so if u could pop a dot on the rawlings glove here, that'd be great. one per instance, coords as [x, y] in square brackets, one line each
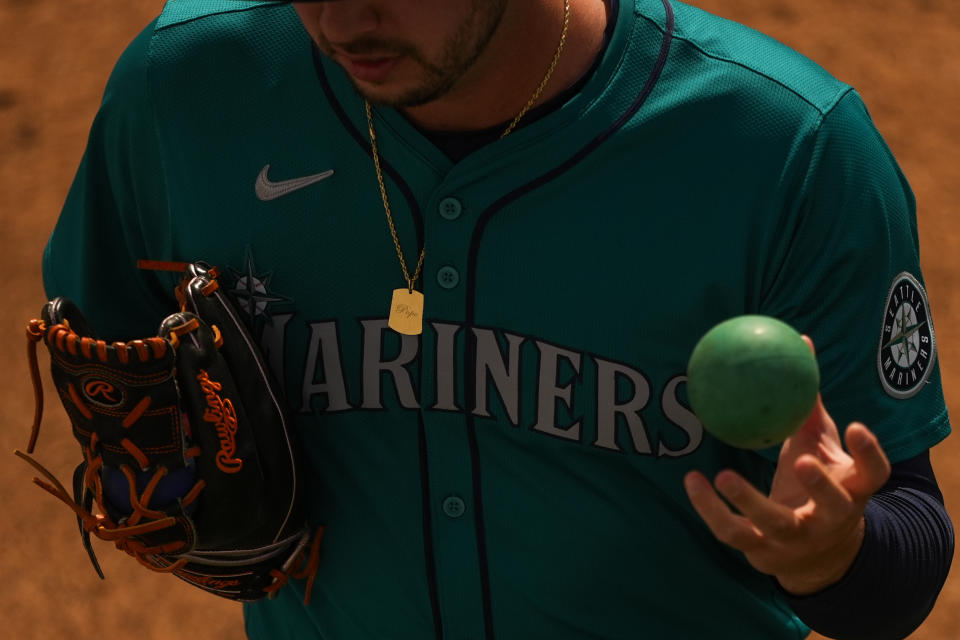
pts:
[189, 464]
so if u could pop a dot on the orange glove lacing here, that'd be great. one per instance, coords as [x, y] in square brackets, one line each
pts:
[142, 519]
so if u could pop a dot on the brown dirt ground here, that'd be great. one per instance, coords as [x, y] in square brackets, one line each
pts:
[903, 56]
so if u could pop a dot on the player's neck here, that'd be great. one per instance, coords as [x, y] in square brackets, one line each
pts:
[506, 74]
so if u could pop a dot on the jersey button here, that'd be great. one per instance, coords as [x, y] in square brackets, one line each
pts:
[450, 208]
[448, 277]
[454, 507]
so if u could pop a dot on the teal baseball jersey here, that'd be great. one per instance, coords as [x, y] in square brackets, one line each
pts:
[516, 470]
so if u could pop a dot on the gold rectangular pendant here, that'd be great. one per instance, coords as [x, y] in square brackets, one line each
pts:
[406, 312]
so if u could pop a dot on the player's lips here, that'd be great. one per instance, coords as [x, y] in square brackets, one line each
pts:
[369, 68]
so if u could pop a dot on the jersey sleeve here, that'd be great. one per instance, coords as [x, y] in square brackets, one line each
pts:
[115, 209]
[852, 235]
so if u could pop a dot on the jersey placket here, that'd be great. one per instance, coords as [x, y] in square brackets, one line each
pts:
[455, 533]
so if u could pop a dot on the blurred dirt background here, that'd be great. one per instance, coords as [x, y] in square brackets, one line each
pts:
[55, 56]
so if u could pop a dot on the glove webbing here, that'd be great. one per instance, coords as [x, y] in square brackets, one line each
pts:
[101, 525]
[65, 339]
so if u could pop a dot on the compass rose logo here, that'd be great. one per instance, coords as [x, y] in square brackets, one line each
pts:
[251, 291]
[908, 346]
[905, 345]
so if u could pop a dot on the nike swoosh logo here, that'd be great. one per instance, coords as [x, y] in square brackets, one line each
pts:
[267, 189]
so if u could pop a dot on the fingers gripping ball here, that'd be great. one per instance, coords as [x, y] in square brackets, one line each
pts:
[752, 381]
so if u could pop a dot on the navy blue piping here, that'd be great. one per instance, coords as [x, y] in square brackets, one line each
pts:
[430, 562]
[429, 559]
[471, 284]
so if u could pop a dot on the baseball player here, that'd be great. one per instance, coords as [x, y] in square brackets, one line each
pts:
[477, 241]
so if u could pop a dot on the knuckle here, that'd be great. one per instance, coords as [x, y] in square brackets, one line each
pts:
[736, 537]
[781, 528]
[726, 533]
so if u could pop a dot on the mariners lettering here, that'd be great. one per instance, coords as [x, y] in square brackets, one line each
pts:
[374, 366]
[444, 365]
[609, 376]
[521, 381]
[677, 413]
[323, 362]
[505, 375]
[220, 413]
[549, 393]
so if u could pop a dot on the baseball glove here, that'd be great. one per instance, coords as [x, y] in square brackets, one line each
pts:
[189, 463]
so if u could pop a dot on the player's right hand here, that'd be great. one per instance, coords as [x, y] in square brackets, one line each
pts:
[808, 530]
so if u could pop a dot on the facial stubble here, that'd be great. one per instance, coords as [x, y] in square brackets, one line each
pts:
[460, 53]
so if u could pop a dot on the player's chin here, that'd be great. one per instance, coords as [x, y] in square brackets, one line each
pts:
[385, 96]
[403, 90]
[381, 95]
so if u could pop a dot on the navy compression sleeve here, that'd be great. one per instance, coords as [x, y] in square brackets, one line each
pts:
[895, 580]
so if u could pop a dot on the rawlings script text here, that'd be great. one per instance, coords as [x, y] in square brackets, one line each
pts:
[209, 581]
[221, 414]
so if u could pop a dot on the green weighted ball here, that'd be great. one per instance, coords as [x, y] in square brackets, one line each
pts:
[752, 381]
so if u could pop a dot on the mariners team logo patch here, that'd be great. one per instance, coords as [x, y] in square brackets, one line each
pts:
[908, 347]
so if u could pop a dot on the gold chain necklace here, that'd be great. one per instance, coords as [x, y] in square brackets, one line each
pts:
[406, 307]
